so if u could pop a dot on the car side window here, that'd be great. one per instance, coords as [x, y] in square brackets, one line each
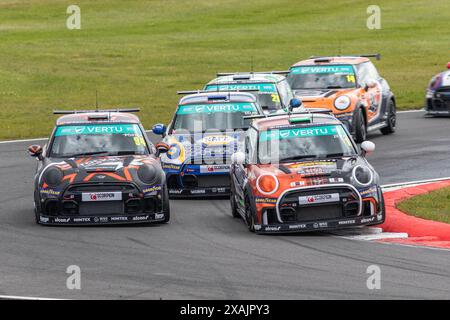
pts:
[250, 146]
[366, 71]
[285, 92]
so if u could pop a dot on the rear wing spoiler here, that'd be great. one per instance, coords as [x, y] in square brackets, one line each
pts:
[96, 110]
[221, 74]
[371, 55]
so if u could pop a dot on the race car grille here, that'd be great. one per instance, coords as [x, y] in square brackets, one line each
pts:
[101, 188]
[101, 208]
[206, 181]
[440, 101]
[213, 181]
[293, 210]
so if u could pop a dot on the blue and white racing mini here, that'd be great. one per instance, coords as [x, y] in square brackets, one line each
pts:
[437, 101]
[206, 130]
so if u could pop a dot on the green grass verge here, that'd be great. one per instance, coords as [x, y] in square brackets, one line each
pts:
[138, 53]
[432, 206]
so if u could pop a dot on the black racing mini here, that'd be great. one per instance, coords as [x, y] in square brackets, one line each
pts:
[99, 168]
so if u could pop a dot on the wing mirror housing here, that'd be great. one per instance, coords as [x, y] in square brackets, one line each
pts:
[370, 83]
[367, 147]
[294, 103]
[35, 151]
[159, 129]
[161, 148]
[238, 158]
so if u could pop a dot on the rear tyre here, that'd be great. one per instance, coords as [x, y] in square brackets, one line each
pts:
[391, 120]
[36, 215]
[360, 126]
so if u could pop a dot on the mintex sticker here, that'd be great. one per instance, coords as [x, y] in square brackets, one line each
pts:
[214, 169]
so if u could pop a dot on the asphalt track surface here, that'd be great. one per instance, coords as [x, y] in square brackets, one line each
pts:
[203, 253]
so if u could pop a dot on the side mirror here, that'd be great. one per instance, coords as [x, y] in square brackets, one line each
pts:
[370, 83]
[367, 147]
[162, 148]
[159, 129]
[448, 65]
[294, 103]
[35, 151]
[238, 158]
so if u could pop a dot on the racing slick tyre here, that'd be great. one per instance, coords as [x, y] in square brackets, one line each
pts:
[36, 215]
[391, 120]
[233, 205]
[249, 215]
[360, 126]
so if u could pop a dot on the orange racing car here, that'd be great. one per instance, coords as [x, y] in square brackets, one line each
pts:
[351, 87]
[303, 172]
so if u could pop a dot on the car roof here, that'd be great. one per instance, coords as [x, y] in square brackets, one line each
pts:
[97, 117]
[283, 120]
[248, 78]
[218, 97]
[331, 61]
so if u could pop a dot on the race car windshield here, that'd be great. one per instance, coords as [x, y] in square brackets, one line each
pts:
[220, 116]
[322, 77]
[98, 139]
[291, 144]
[265, 93]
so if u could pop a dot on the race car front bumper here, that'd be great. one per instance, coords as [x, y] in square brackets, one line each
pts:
[438, 103]
[322, 225]
[192, 180]
[101, 219]
[321, 207]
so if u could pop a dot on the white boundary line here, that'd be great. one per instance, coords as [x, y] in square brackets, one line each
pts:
[4, 297]
[402, 184]
[410, 111]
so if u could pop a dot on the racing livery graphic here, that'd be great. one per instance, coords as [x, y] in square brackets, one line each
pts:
[349, 86]
[206, 130]
[271, 89]
[302, 172]
[437, 101]
[99, 168]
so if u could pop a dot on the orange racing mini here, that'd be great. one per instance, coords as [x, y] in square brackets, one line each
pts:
[349, 86]
[303, 172]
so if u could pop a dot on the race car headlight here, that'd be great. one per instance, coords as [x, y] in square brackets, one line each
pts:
[342, 102]
[53, 177]
[362, 175]
[148, 174]
[267, 184]
[429, 94]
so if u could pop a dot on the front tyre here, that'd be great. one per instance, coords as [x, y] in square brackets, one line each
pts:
[391, 120]
[249, 215]
[166, 205]
[234, 211]
[360, 126]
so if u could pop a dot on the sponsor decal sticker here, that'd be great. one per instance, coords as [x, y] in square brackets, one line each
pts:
[152, 189]
[319, 198]
[140, 218]
[340, 69]
[159, 215]
[101, 196]
[61, 220]
[84, 219]
[199, 191]
[299, 133]
[175, 191]
[213, 108]
[68, 130]
[214, 169]
[262, 87]
[345, 222]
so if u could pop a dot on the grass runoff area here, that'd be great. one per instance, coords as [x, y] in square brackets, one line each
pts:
[139, 53]
[432, 206]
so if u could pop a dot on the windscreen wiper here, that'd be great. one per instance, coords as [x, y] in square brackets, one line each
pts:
[86, 154]
[298, 158]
